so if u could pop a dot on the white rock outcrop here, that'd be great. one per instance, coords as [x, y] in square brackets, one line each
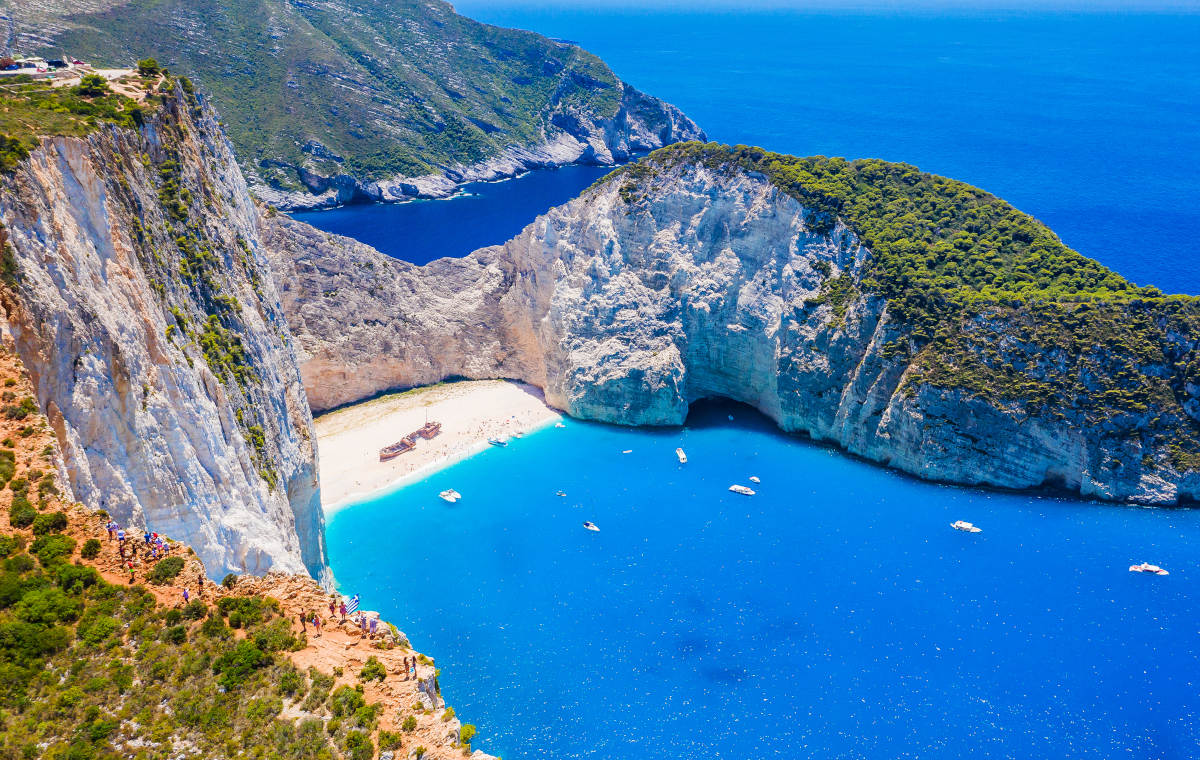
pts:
[632, 301]
[123, 293]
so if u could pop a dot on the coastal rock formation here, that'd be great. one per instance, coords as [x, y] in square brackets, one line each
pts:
[137, 295]
[640, 124]
[680, 279]
[342, 100]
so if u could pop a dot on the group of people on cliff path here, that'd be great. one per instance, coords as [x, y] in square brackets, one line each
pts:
[153, 547]
[343, 608]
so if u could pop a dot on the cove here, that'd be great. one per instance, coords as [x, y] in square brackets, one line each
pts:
[833, 614]
[485, 213]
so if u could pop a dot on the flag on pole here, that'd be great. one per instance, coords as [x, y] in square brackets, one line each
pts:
[352, 605]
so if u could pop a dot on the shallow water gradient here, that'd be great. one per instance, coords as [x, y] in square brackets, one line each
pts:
[834, 614]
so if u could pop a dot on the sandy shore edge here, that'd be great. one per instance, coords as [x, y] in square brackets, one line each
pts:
[471, 411]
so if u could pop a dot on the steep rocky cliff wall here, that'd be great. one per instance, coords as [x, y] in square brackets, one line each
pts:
[139, 299]
[645, 295]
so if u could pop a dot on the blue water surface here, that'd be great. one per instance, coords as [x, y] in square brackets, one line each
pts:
[1085, 120]
[834, 614]
[485, 213]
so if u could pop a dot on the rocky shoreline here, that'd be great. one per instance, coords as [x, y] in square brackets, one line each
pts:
[642, 124]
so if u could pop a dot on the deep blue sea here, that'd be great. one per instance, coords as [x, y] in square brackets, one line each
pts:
[835, 614]
[1088, 121]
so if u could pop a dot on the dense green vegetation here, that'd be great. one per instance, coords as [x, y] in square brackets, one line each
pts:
[32, 109]
[87, 666]
[386, 88]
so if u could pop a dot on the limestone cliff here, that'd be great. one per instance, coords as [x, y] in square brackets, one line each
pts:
[138, 297]
[679, 280]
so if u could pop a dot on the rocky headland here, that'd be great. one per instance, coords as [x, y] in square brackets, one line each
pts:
[909, 319]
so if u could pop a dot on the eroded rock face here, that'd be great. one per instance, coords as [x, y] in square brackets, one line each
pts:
[151, 328]
[628, 304]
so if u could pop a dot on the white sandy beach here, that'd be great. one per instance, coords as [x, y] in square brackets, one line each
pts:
[470, 411]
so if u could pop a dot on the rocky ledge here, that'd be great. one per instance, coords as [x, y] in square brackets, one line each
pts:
[955, 339]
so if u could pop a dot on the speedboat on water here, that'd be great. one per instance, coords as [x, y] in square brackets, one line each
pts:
[965, 526]
[754, 479]
[591, 526]
[682, 457]
[743, 490]
[450, 495]
[498, 441]
[627, 451]
[1146, 567]
[559, 425]
[560, 493]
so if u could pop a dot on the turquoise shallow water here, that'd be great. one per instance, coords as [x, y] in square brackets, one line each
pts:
[835, 614]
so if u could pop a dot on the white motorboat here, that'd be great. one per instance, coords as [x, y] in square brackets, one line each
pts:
[965, 527]
[682, 457]
[450, 495]
[627, 451]
[591, 526]
[754, 479]
[559, 425]
[498, 441]
[743, 490]
[1146, 567]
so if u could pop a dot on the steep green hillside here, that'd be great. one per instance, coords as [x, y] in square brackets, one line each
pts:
[367, 88]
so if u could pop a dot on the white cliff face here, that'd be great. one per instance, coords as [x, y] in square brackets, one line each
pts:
[642, 123]
[110, 312]
[635, 300]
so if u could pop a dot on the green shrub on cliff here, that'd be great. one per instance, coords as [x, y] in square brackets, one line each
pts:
[165, 570]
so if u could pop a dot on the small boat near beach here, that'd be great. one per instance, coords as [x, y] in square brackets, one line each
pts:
[560, 493]
[498, 441]
[743, 490]
[682, 457]
[627, 451]
[754, 479]
[428, 431]
[965, 527]
[1146, 567]
[450, 495]
[591, 526]
[396, 449]
[559, 425]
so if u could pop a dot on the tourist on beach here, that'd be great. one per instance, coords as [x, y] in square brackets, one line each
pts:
[342, 609]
